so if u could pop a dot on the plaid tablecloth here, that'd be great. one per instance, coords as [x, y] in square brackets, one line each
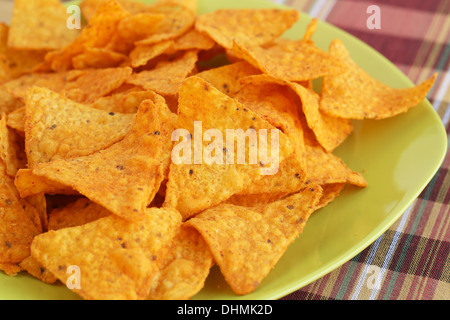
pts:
[412, 257]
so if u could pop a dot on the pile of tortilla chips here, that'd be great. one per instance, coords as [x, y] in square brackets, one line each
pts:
[88, 177]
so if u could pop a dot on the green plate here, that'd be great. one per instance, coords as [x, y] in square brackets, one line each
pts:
[398, 156]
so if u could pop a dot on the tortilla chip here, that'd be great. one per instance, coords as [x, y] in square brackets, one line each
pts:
[17, 230]
[248, 242]
[11, 149]
[177, 21]
[117, 258]
[189, 4]
[10, 269]
[38, 202]
[186, 267]
[329, 131]
[97, 34]
[193, 39]
[76, 214]
[89, 7]
[325, 168]
[56, 127]
[16, 120]
[330, 193]
[357, 95]
[248, 26]
[254, 200]
[310, 30]
[167, 76]
[142, 54]
[139, 26]
[123, 178]
[34, 268]
[96, 83]
[289, 60]
[226, 78]
[29, 184]
[192, 187]
[98, 58]
[40, 25]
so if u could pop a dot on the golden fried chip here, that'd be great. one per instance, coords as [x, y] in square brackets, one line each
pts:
[123, 178]
[226, 78]
[11, 149]
[97, 34]
[29, 184]
[34, 268]
[329, 131]
[117, 259]
[254, 200]
[189, 4]
[185, 267]
[40, 25]
[38, 202]
[10, 269]
[177, 21]
[139, 26]
[248, 242]
[193, 39]
[89, 7]
[167, 76]
[16, 120]
[330, 193]
[289, 60]
[356, 95]
[142, 54]
[96, 83]
[248, 26]
[98, 58]
[197, 179]
[17, 230]
[56, 127]
[325, 168]
[76, 214]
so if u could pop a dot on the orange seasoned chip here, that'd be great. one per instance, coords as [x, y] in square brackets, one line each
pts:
[289, 60]
[56, 127]
[248, 26]
[139, 26]
[33, 267]
[329, 131]
[11, 149]
[96, 83]
[118, 259]
[192, 187]
[16, 120]
[29, 184]
[77, 213]
[98, 58]
[193, 39]
[248, 242]
[185, 267]
[30, 30]
[97, 34]
[142, 54]
[17, 230]
[167, 76]
[356, 95]
[123, 178]
[330, 193]
[89, 7]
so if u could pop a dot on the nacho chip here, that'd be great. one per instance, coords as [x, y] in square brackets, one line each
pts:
[38, 203]
[89, 7]
[98, 58]
[167, 76]
[226, 78]
[142, 54]
[56, 127]
[34, 268]
[325, 168]
[177, 21]
[139, 26]
[248, 26]
[356, 95]
[123, 178]
[96, 83]
[248, 242]
[193, 39]
[117, 258]
[10, 269]
[330, 193]
[191, 187]
[17, 230]
[11, 149]
[186, 267]
[329, 131]
[29, 184]
[97, 34]
[289, 60]
[40, 25]
[16, 120]
[189, 4]
[76, 214]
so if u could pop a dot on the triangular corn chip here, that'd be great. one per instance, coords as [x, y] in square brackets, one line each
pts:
[117, 259]
[248, 242]
[195, 183]
[357, 95]
[249, 26]
[123, 178]
[56, 127]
